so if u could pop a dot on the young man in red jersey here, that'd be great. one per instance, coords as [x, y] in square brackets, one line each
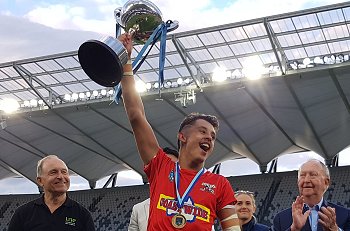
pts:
[184, 195]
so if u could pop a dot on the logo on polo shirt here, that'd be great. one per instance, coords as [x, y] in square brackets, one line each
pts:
[70, 221]
[206, 187]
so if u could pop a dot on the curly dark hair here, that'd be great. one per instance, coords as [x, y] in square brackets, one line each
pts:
[193, 117]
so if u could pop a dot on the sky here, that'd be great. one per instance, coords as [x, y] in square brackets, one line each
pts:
[32, 28]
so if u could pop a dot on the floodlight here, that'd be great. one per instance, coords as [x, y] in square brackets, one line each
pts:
[325, 59]
[148, 86]
[103, 92]
[179, 81]
[333, 58]
[88, 94]
[168, 84]
[318, 60]
[156, 85]
[219, 74]
[140, 86]
[26, 103]
[40, 102]
[9, 105]
[75, 96]
[340, 58]
[306, 61]
[67, 97]
[33, 103]
[81, 95]
[253, 68]
[294, 65]
[95, 93]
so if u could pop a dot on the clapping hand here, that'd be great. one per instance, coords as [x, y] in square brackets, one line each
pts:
[299, 219]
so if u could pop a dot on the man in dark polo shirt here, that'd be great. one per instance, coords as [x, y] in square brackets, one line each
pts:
[54, 211]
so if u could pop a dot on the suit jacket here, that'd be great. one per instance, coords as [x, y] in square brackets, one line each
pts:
[139, 216]
[283, 220]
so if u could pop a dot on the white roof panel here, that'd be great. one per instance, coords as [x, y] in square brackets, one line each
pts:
[287, 110]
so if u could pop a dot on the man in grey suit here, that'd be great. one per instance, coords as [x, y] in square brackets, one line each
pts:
[140, 211]
[139, 216]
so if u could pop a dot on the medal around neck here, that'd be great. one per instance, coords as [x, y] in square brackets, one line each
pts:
[178, 221]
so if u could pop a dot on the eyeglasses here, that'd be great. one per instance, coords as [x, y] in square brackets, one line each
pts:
[239, 192]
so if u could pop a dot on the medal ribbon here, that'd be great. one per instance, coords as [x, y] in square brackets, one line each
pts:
[181, 200]
[159, 33]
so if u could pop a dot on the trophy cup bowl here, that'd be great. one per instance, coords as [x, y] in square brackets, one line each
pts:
[103, 60]
[140, 18]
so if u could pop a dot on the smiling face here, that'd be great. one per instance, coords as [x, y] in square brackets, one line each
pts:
[54, 177]
[245, 208]
[197, 141]
[312, 181]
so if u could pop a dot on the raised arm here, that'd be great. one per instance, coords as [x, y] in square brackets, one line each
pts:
[146, 141]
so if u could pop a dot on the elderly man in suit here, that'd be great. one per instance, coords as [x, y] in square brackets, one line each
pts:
[310, 212]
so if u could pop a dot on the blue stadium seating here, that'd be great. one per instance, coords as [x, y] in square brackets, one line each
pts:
[111, 207]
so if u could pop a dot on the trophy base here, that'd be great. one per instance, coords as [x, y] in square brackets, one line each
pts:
[103, 60]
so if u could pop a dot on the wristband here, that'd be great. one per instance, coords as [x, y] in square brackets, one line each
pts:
[128, 73]
[233, 228]
[233, 216]
[129, 61]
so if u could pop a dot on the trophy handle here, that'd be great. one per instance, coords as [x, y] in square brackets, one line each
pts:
[172, 25]
[117, 16]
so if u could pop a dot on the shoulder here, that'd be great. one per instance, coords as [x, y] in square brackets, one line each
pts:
[285, 213]
[76, 205]
[260, 227]
[29, 205]
[216, 177]
[158, 158]
[331, 204]
[142, 203]
[338, 208]
[27, 209]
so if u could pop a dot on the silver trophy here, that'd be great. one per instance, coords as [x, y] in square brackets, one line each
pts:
[103, 59]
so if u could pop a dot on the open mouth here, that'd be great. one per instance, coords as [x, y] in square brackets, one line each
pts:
[204, 146]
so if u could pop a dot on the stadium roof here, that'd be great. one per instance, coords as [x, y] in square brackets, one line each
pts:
[300, 104]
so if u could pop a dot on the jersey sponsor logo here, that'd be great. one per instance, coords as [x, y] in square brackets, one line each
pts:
[190, 210]
[70, 221]
[206, 187]
[171, 176]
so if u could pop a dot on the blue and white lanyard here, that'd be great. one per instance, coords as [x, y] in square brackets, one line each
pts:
[181, 200]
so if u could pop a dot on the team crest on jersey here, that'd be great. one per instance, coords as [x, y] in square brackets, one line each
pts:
[206, 187]
[190, 210]
[171, 176]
